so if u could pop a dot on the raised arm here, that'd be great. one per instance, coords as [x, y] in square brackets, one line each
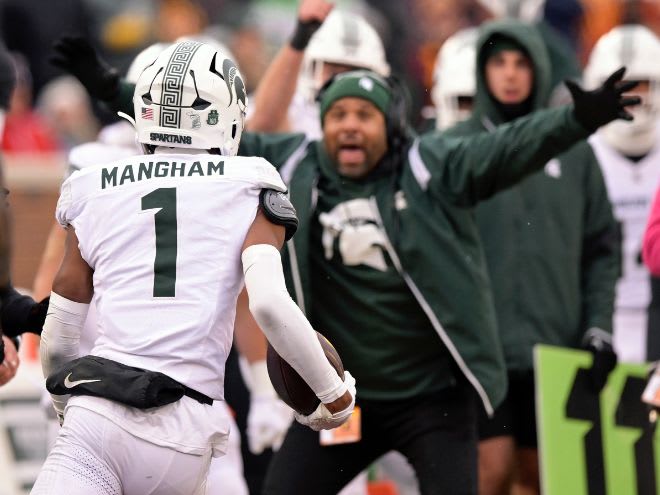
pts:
[287, 329]
[278, 85]
[467, 170]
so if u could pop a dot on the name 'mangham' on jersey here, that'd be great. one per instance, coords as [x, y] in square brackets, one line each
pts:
[163, 234]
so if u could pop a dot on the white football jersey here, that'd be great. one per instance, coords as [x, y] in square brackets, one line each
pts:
[631, 187]
[80, 157]
[163, 234]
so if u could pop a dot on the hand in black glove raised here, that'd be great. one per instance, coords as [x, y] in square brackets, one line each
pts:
[599, 343]
[601, 106]
[76, 55]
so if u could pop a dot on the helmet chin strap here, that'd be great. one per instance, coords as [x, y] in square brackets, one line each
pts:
[634, 138]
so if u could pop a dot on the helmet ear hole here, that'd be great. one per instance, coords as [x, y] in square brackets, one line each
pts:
[234, 128]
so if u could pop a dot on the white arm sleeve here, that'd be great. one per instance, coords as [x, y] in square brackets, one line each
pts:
[284, 325]
[60, 338]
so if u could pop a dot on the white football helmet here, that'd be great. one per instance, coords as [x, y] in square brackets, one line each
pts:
[454, 77]
[150, 53]
[524, 10]
[638, 48]
[192, 96]
[344, 38]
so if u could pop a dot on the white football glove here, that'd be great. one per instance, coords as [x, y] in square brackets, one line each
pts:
[269, 418]
[322, 419]
[267, 423]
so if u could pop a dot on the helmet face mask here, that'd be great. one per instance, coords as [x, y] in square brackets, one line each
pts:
[636, 47]
[191, 96]
[344, 39]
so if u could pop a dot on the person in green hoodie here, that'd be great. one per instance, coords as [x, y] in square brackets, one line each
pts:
[551, 247]
[387, 263]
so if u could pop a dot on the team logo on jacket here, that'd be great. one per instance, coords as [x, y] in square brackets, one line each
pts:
[352, 228]
[212, 119]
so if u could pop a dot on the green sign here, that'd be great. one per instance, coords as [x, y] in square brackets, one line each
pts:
[590, 442]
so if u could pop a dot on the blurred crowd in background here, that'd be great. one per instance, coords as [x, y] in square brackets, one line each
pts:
[50, 111]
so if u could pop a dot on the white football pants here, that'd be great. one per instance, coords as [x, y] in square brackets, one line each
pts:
[107, 460]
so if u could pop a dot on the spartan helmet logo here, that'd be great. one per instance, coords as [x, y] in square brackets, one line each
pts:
[233, 78]
[352, 226]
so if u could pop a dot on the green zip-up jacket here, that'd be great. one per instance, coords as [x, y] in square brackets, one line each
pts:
[550, 241]
[431, 235]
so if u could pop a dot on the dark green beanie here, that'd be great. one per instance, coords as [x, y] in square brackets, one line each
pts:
[360, 84]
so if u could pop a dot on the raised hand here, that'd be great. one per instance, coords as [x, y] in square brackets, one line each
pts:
[603, 105]
[77, 56]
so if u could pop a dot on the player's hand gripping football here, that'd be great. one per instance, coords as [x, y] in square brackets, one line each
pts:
[602, 105]
[76, 55]
[322, 418]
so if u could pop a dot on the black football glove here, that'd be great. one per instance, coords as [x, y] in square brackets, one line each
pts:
[599, 343]
[303, 33]
[601, 106]
[76, 55]
[21, 313]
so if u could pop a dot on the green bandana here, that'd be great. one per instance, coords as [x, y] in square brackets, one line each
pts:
[360, 84]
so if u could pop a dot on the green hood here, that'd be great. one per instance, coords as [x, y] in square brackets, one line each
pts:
[526, 36]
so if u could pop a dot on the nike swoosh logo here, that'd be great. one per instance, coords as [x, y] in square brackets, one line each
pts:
[70, 384]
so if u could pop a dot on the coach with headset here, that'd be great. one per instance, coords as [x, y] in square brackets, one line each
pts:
[388, 265]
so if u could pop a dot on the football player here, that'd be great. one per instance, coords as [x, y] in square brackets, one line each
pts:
[629, 156]
[164, 267]
[325, 42]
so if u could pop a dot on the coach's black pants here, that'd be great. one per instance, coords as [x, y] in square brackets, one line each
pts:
[437, 433]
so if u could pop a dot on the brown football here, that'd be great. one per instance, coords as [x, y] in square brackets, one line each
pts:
[290, 386]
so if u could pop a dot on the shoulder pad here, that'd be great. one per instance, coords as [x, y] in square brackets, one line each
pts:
[279, 210]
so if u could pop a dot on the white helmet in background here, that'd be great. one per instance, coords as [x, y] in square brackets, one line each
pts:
[524, 10]
[344, 38]
[638, 48]
[192, 96]
[454, 77]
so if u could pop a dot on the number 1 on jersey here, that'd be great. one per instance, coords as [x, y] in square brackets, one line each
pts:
[166, 236]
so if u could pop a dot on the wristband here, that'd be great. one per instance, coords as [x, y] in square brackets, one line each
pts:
[303, 33]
